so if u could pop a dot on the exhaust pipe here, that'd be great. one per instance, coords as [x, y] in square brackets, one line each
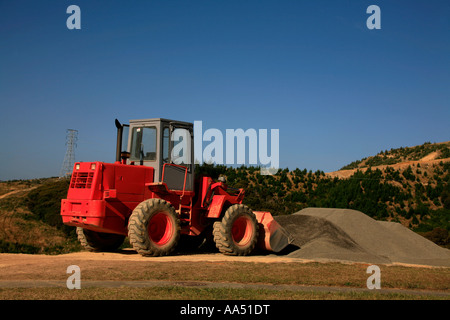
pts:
[119, 127]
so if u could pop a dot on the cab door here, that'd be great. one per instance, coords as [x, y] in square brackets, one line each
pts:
[177, 154]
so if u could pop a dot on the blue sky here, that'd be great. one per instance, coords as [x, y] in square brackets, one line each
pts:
[336, 90]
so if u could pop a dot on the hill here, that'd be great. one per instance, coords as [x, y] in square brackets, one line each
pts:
[415, 193]
[29, 217]
[425, 152]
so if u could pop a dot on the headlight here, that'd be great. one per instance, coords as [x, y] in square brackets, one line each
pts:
[77, 166]
[92, 166]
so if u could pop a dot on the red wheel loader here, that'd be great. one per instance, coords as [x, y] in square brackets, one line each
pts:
[151, 195]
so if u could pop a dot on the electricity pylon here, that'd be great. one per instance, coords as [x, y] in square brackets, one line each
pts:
[69, 158]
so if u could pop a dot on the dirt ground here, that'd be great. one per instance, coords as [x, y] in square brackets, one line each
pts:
[27, 276]
[28, 266]
[17, 267]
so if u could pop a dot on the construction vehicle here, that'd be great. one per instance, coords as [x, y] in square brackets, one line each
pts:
[151, 195]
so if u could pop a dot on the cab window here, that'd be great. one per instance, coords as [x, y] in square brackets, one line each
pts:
[143, 143]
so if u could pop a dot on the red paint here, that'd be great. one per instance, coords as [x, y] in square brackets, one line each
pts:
[160, 228]
[242, 231]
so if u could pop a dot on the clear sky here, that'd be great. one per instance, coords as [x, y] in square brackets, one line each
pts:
[336, 90]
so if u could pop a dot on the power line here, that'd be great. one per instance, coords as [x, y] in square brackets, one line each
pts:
[69, 158]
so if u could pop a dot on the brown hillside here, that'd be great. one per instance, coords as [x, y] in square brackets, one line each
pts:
[20, 229]
[426, 163]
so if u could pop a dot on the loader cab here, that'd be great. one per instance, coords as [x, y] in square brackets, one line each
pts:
[166, 145]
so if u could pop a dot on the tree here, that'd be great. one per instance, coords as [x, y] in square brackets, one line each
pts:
[445, 197]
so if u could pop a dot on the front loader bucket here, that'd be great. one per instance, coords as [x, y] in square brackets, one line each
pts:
[272, 236]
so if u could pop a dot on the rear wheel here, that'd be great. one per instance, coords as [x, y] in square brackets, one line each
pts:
[237, 233]
[98, 241]
[154, 228]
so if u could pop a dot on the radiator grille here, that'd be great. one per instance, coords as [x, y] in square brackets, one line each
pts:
[81, 180]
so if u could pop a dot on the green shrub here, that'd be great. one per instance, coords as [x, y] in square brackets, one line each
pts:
[439, 236]
[10, 247]
[45, 203]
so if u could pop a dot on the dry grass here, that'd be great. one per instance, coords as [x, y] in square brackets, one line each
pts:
[314, 274]
[186, 293]
[306, 274]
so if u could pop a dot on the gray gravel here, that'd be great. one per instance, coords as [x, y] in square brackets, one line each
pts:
[350, 235]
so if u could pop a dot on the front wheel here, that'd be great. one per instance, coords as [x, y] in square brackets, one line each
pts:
[154, 228]
[237, 233]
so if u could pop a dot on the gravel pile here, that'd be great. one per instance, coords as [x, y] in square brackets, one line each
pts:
[350, 235]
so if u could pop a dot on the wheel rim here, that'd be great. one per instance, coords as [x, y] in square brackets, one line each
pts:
[242, 231]
[160, 229]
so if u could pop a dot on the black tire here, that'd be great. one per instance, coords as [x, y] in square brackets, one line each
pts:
[237, 233]
[154, 228]
[99, 241]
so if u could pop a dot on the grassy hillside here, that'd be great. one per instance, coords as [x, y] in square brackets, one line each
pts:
[393, 156]
[29, 217]
[414, 193]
